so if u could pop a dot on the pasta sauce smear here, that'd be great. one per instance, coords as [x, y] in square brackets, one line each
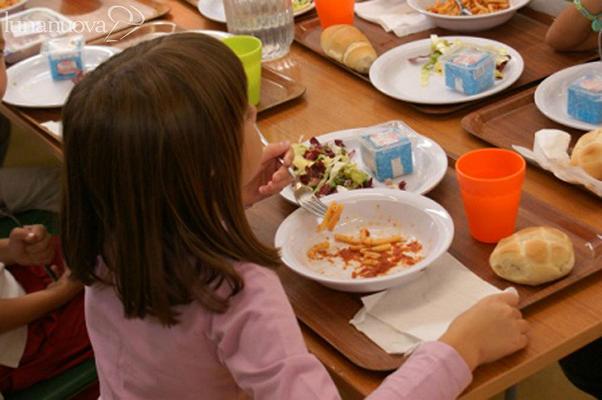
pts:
[368, 256]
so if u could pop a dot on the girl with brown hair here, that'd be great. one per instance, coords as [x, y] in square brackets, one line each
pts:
[161, 158]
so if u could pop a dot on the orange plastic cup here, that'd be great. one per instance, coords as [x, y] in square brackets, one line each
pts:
[491, 182]
[333, 12]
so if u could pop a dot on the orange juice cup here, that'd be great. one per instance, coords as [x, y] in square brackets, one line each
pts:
[491, 181]
[333, 12]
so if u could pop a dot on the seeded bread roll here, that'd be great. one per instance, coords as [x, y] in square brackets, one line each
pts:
[347, 45]
[533, 256]
[588, 153]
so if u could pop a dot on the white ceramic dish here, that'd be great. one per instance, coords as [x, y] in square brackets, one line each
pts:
[214, 10]
[468, 23]
[551, 95]
[20, 5]
[30, 83]
[430, 163]
[379, 210]
[394, 75]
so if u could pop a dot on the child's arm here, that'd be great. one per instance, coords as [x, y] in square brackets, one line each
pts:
[259, 340]
[22, 310]
[572, 31]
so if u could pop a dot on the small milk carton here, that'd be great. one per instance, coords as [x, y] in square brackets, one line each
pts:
[585, 99]
[65, 57]
[469, 70]
[388, 153]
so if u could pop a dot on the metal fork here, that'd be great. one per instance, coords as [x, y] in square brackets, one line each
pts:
[463, 10]
[304, 195]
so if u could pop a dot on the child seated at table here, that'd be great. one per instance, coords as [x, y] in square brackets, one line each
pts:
[182, 300]
[573, 29]
[42, 328]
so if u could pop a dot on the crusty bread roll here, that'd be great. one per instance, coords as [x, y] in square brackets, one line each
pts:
[347, 45]
[588, 153]
[533, 256]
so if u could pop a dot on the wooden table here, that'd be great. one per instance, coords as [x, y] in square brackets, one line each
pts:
[335, 101]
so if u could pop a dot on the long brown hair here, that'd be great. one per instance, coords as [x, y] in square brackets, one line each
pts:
[153, 143]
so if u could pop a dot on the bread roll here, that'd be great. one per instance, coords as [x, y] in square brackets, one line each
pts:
[347, 45]
[533, 256]
[588, 153]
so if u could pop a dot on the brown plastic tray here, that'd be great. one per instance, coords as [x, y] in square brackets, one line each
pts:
[105, 16]
[328, 312]
[525, 32]
[276, 89]
[512, 121]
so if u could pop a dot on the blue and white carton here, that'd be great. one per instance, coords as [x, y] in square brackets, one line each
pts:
[387, 151]
[585, 99]
[469, 70]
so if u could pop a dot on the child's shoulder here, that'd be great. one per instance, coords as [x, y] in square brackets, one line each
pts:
[257, 279]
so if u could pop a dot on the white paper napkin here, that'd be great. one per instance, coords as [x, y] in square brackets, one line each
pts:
[399, 319]
[393, 15]
[550, 151]
[550, 7]
[54, 127]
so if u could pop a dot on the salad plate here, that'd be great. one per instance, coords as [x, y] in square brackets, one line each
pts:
[30, 84]
[551, 95]
[430, 164]
[214, 9]
[412, 72]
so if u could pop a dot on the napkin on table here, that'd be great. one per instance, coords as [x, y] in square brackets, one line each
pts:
[54, 127]
[393, 15]
[550, 151]
[399, 319]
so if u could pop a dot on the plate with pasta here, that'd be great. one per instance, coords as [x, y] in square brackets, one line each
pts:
[486, 14]
[10, 6]
[369, 240]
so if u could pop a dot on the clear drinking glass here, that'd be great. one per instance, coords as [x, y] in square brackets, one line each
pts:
[269, 20]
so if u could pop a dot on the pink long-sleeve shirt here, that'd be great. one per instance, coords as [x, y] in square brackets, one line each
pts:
[255, 349]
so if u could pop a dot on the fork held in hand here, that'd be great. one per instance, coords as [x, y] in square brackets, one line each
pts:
[304, 195]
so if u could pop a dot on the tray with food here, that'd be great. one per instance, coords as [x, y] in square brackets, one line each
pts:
[523, 33]
[516, 123]
[214, 9]
[383, 239]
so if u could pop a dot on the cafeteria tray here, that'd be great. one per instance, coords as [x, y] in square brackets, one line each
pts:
[525, 32]
[327, 312]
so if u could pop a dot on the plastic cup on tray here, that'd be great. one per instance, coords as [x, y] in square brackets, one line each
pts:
[491, 182]
[248, 50]
[333, 12]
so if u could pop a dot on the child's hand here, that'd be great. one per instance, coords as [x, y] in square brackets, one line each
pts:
[66, 287]
[30, 245]
[491, 329]
[272, 176]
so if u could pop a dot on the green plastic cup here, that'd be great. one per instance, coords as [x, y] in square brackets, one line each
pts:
[248, 50]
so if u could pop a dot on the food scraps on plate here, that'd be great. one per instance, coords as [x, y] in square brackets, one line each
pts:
[476, 7]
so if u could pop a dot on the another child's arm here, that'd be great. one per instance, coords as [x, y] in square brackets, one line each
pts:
[259, 341]
[572, 31]
[25, 309]
[30, 245]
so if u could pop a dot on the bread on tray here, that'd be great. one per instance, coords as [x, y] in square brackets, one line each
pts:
[533, 256]
[349, 46]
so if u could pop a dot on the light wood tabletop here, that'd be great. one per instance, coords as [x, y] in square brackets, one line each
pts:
[335, 100]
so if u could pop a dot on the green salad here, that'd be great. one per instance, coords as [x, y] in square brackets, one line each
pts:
[328, 167]
[300, 4]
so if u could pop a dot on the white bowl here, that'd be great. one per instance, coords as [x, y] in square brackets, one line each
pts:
[468, 23]
[20, 5]
[384, 212]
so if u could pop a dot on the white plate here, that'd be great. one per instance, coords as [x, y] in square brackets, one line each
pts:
[382, 211]
[430, 163]
[551, 95]
[394, 75]
[468, 23]
[18, 6]
[214, 10]
[30, 83]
